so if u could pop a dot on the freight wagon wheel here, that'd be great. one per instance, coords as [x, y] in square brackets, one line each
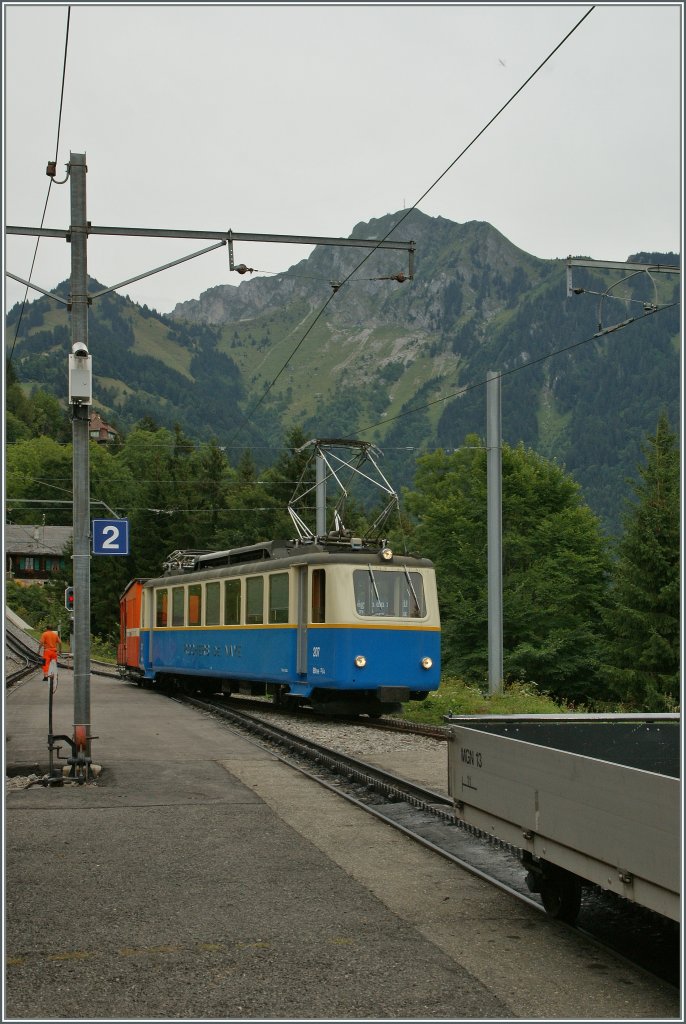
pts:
[561, 893]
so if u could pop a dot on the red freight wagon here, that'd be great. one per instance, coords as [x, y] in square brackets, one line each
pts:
[130, 603]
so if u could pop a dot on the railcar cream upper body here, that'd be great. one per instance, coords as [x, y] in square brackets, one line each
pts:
[344, 592]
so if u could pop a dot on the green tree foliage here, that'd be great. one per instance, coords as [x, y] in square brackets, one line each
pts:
[554, 567]
[252, 513]
[179, 497]
[34, 415]
[40, 607]
[113, 488]
[290, 468]
[38, 481]
[293, 471]
[642, 662]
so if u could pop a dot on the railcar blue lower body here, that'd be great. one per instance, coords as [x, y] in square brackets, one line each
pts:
[392, 656]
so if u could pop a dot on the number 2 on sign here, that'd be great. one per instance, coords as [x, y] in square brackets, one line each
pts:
[113, 538]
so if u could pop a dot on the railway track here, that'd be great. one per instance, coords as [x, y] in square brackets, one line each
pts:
[646, 940]
[400, 725]
[24, 652]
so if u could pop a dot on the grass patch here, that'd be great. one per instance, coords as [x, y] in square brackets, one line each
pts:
[552, 424]
[152, 339]
[458, 698]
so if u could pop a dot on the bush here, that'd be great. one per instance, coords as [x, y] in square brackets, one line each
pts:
[458, 698]
[104, 649]
[39, 606]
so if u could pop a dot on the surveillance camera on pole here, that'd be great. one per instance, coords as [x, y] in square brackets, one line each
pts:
[80, 375]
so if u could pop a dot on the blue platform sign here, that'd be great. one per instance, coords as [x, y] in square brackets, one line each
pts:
[110, 536]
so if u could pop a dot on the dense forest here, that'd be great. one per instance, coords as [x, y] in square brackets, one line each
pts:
[587, 620]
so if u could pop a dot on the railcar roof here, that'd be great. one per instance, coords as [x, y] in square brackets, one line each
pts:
[283, 558]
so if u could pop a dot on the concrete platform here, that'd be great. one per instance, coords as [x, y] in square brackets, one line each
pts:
[201, 878]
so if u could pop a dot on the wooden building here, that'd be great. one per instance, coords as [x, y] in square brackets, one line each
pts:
[33, 554]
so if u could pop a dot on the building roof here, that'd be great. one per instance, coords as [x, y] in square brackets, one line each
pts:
[37, 540]
[97, 425]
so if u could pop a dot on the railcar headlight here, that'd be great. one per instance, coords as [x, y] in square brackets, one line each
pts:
[426, 662]
[360, 661]
[386, 554]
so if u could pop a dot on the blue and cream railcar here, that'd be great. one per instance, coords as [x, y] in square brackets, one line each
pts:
[344, 629]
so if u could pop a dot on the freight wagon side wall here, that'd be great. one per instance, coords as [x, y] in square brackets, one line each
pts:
[613, 825]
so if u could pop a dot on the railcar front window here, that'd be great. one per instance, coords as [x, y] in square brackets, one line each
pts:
[389, 593]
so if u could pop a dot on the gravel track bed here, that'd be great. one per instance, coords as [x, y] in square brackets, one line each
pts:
[419, 759]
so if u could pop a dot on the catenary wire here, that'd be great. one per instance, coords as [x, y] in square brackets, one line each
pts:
[413, 207]
[523, 366]
[50, 184]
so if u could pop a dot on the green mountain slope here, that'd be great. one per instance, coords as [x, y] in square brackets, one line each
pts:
[401, 364]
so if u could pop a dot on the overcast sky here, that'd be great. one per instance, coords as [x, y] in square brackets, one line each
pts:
[309, 118]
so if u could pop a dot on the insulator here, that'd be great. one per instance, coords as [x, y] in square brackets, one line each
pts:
[51, 169]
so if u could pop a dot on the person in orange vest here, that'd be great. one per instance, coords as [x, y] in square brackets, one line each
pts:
[51, 645]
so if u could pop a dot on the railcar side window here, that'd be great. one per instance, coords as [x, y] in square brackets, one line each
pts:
[389, 593]
[195, 604]
[212, 604]
[319, 595]
[278, 597]
[177, 606]
[161, 608]
[232, 602]
[254, 599]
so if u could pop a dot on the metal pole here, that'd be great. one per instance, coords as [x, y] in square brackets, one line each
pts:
[495, 558]
[50, 747]
[80, 410]
[321, 496]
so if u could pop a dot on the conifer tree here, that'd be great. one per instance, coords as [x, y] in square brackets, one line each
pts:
[643, 621]
[554, 568]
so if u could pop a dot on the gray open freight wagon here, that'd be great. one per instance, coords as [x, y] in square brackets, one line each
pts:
[588, 799]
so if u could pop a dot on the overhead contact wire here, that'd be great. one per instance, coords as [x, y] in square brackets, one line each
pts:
[517, 369]
[47, 197]
[415, 205]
